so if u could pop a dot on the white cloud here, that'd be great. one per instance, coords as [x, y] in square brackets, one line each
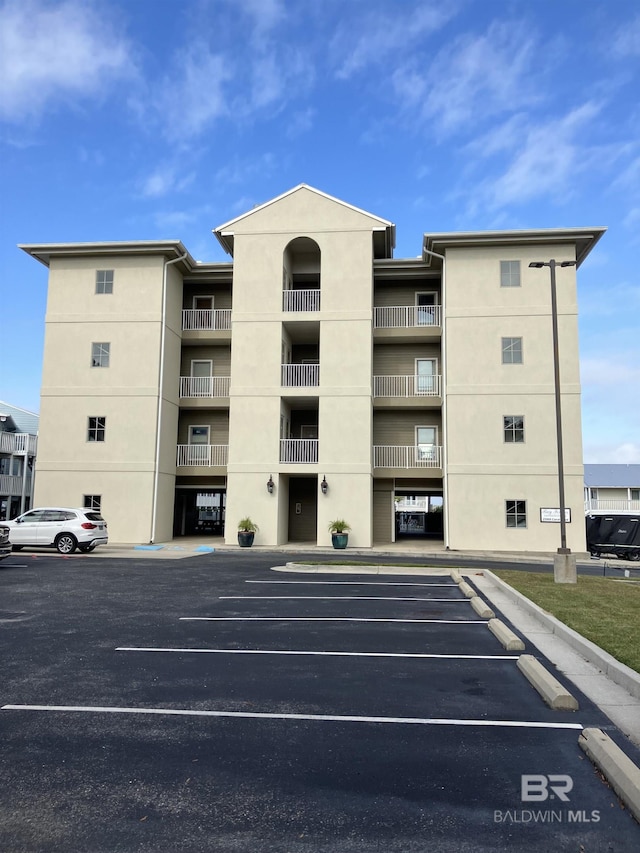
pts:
[377, 36]
[192, 96]
[472, 78]
[626, 40]
[56, 52]
[165, 179]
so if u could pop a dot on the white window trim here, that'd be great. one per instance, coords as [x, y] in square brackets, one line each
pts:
[433, 293]
[199, 426]
[208, 361]
[197, 296]
[511, 261]
[502, 349]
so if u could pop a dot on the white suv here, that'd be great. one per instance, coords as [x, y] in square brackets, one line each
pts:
[65, 529]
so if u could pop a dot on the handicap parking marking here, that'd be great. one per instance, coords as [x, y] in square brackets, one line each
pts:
[265, 715]
[317, 653]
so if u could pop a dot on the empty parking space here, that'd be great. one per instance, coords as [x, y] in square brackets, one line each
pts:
[212, 709]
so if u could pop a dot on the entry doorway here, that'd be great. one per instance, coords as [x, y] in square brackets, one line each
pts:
[303, 509]
[199, 512]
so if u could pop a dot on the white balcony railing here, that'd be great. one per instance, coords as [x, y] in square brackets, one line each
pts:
[204, 386]
[300, 375]
[300, 300]
[407, 386]
[406, 316]
[412, 456]
[304, 450]
[12, 486]
[18, 443]
[206, 320]
[616, 505]
[202, 455]
[412, 505]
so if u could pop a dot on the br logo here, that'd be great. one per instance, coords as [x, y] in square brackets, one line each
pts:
[538, 788]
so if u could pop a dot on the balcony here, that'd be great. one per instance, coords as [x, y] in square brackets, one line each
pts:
[411, 456]
[407, 317]
[407, 386]
[11, 485]
[300, 375]
[301, 300]
[615, 505]
[204, 386]
[202, 455]
[206, 320]
[18, 443]
[299, 450]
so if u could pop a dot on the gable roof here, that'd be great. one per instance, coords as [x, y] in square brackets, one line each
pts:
[24, 421]
[225, 232]
[612, 476]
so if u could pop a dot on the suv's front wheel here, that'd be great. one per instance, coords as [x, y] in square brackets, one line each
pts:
[66, 543]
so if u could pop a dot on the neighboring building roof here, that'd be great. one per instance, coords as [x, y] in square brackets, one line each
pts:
[24, 421]
[584, 239]
[612, 476]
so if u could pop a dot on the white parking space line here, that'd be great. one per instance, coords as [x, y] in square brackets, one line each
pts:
[324, 619]
[329, 654]
[256, 715]
[358, 583]
[332, 598]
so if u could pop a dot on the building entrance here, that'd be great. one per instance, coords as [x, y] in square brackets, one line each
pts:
[303, 509]
[199, 511]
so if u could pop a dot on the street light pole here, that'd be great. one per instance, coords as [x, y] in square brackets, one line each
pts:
[564, 564]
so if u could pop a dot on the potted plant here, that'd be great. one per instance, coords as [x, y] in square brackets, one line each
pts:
[339, 530]
[246, 532]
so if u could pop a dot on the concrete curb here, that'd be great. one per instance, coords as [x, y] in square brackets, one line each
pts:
[466, 590]
[455, 576]
[481, 608]
[362, 570]
[613, 669]
[554, 694]
[622, 774]
[510, 641]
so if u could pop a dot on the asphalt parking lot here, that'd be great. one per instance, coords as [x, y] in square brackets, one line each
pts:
[212, 704]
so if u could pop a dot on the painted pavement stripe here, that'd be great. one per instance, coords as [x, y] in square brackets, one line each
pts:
[358, 583]
[331, 598]
[314, 653]
[256, 715]
[326, 619]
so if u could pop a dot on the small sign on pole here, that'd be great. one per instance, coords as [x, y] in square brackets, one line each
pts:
[551, 515]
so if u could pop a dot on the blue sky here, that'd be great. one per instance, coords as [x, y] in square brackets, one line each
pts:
[157, 119]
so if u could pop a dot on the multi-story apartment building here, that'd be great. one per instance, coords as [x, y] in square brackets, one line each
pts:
[314, 377]
[18, 448]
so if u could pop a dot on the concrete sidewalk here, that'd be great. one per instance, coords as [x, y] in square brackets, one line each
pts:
[188, 546]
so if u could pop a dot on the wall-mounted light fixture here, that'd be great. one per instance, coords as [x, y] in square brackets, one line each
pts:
[324, 486]
[270, 485]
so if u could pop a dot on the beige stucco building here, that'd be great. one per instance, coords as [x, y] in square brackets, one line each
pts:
[314, 377]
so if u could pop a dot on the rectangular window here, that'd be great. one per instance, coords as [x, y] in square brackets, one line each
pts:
[100, 355]
[512, 350]
[92, 501]
[104, 281]
[513, 428]
[96, 429]
[516, 513]
[635, 494]
[509, 273]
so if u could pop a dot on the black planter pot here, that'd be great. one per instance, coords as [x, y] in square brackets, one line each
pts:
[245, 539]
[339, 540]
